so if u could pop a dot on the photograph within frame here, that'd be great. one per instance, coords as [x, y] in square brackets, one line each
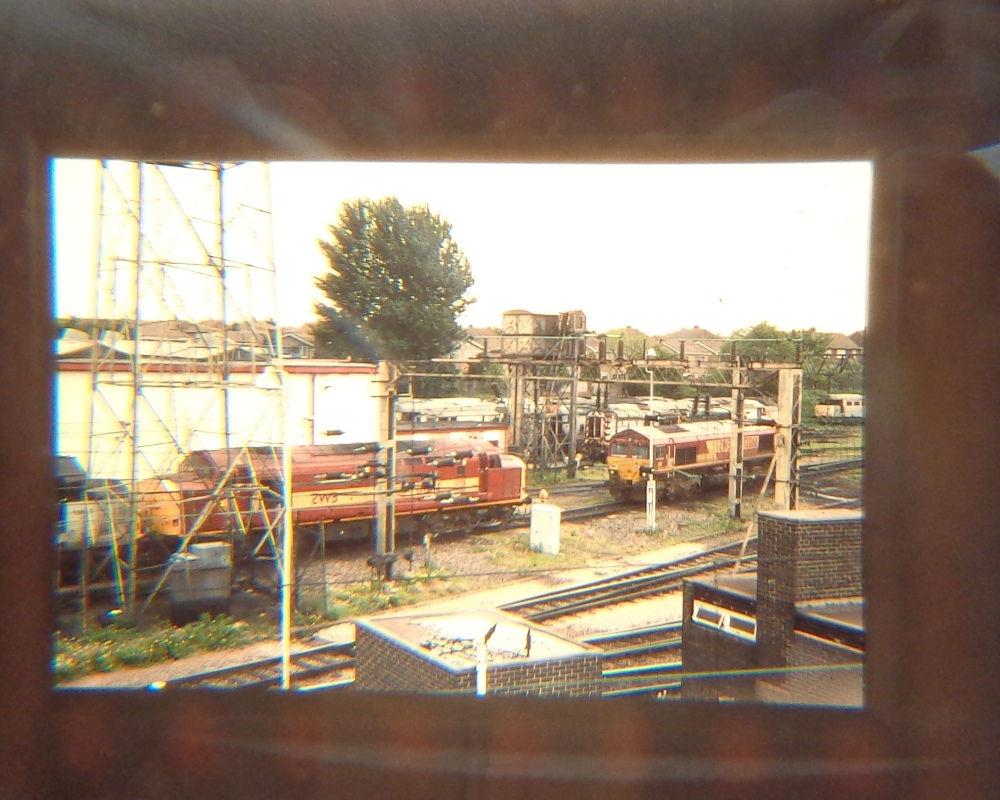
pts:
[932, 720]
[175, 356]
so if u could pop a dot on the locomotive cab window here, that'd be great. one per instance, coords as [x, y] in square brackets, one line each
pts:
[619, 448]
[685, 455]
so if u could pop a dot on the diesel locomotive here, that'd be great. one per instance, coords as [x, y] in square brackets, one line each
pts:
[683, 456]
[335, 489]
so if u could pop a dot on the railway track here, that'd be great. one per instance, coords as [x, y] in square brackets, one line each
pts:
[640, 661]
[570, 514]
[828, 467]
[623, 588]
[310, 666]
[631, 648]
[822, 483]
[570, 488]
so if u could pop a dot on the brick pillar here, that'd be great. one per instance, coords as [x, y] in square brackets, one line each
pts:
[802, 556]
[776, 556]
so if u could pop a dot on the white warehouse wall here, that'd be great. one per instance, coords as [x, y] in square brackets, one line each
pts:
[174, 420]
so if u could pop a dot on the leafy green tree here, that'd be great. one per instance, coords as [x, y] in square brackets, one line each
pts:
[813, 344]
[820, 371]
[826, 372]
[635, 343]
[490, 380]
[762, 342]
[396, 284]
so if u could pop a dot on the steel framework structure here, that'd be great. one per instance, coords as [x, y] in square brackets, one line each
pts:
[186, 351]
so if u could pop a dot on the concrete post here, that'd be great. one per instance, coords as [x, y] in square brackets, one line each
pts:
[786, 441]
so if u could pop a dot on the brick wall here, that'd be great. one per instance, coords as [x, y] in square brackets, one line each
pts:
[579, 676]
[384, 664]
[802, 556]
[823, 687]
[812, 555]
[708, 650]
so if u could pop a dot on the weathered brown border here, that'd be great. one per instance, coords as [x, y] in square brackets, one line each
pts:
[567, 80]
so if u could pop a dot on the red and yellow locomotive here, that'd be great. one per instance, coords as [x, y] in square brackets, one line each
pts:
[683, 455]
[336, 489]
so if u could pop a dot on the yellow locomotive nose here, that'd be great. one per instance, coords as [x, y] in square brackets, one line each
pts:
[624, 470]
[628, 471]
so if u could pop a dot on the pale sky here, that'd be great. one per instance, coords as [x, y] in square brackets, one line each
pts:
[657, 247]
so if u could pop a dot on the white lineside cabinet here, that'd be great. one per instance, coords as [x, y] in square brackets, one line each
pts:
[545, 520]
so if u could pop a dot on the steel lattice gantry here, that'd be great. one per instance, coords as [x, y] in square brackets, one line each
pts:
[186, 352]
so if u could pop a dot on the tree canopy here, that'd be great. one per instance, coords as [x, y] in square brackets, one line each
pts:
[764, 342]
[397, 283]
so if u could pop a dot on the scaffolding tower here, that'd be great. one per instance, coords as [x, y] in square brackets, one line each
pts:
[186, 350]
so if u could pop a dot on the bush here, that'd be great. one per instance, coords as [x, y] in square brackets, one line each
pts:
[117, 647]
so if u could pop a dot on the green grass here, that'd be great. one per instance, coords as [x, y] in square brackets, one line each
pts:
[372, 597]
[538, 478]
[117, 647]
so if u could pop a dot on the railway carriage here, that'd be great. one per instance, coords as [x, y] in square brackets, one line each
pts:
[453, 418]
[840, 408]
[683, 456]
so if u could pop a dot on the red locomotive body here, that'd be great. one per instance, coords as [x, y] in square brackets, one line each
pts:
[335, 489]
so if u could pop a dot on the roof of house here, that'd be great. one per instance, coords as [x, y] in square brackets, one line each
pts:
[690, 333]
[839, 341]
[176, 328]
[697, 341]
[302, 333]
[480, 333]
